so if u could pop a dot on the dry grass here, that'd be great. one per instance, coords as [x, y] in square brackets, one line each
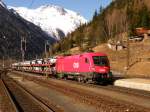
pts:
[140, 69]
[75, 50]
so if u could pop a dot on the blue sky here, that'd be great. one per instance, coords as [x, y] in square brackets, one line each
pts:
[85, 7]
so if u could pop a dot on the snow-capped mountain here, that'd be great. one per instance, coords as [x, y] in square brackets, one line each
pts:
[15, 27]
[55, 20]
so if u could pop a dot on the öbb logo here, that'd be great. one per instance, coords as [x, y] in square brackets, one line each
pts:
[76, 65]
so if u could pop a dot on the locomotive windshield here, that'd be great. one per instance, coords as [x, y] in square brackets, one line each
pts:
[101, 60]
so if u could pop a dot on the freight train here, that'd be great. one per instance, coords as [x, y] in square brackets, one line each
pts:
[82, 67]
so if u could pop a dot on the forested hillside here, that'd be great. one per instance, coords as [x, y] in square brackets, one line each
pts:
[116, 21]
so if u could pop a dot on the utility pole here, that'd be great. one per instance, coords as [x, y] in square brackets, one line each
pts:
[46, 47]
[128, 53]
[3, 62]
[10, 62]
[23, 49]
[127, 24]
[4, 54]
[46, 55]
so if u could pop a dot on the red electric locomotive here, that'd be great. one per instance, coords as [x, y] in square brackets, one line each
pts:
[84, 67]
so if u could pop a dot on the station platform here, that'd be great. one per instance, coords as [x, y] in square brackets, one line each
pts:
[134, 83]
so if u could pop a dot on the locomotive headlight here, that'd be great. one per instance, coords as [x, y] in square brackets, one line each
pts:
[102, 70]
[93, 68]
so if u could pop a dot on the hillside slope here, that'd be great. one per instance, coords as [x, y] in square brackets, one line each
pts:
[12, 28]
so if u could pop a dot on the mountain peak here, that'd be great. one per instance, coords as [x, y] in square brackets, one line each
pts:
[58, 9]
[50, 6]
[51, 18]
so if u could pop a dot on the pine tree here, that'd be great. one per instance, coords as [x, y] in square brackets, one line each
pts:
[144, 17]
[95, 15]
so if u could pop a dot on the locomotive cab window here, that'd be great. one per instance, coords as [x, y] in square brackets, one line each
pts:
[101, 60]
[86, 61]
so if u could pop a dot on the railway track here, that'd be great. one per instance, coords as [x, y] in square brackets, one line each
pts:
[100, 101]
[110, 87]
[18, 99]
[7, 104]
